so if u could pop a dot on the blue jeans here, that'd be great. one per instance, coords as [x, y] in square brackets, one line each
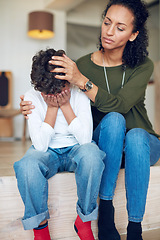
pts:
[140, 150]
[36, 167]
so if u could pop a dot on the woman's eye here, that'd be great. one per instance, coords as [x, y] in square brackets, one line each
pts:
[120, 29]
[107, 23]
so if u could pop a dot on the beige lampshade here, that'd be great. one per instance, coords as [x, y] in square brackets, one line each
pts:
[40, 25]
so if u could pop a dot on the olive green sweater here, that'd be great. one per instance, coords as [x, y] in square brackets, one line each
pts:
[128, 100]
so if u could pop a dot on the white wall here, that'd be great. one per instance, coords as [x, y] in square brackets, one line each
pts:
[17, 49]
[154, 54]
[83, 27]
[154, 31]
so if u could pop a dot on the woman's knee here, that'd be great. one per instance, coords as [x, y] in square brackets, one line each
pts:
[113, 120]
[137, 147]
[112, 132]
[137, 137]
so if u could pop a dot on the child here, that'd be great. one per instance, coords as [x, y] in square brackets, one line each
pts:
[60, 128]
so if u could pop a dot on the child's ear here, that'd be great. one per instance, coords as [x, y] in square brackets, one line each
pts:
[133, 36]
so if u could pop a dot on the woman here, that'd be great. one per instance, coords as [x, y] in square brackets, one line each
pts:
[115, 79]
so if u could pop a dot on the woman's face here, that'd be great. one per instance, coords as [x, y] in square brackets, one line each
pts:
[117, 28]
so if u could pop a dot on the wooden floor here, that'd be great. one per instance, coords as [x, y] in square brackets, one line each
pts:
[11, 151]
[148, 235]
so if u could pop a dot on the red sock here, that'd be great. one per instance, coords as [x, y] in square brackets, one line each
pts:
[42, 234]
[83, 229]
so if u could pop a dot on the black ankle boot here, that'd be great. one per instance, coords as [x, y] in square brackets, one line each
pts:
[134, 231]
[106, 225]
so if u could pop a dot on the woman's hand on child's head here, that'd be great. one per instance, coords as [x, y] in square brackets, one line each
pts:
[69, 69]
[63, 97]
[50, 99]
[25, 107]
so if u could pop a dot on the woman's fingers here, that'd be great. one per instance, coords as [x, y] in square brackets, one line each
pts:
[22, 97]
[68, 70]
[63, 62]
[23, 104]
[26, 107]
[59, 61]
[60, 70]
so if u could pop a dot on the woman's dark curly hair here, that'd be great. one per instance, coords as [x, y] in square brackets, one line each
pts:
[136, 51]
[42, 79]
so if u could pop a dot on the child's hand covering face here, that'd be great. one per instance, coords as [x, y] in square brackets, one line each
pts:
[58, 99]
[50, 99]
[63, 97]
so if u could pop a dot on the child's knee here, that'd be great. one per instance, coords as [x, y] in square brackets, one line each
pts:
[93, 157]
[24, 167]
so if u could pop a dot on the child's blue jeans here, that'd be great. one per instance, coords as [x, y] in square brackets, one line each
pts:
[35, 168]
[140, 150]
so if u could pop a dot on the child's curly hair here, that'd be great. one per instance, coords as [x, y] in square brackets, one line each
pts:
[42, 79]
[136, 51]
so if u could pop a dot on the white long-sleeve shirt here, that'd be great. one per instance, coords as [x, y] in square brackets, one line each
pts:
[62, 135]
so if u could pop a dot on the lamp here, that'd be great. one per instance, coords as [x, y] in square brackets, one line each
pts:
[40, 25]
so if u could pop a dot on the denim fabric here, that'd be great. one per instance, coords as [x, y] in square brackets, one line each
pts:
[140, 149]
[35, 168]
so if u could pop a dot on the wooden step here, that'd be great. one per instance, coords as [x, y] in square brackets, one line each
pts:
[62, 203]
[148, 235]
